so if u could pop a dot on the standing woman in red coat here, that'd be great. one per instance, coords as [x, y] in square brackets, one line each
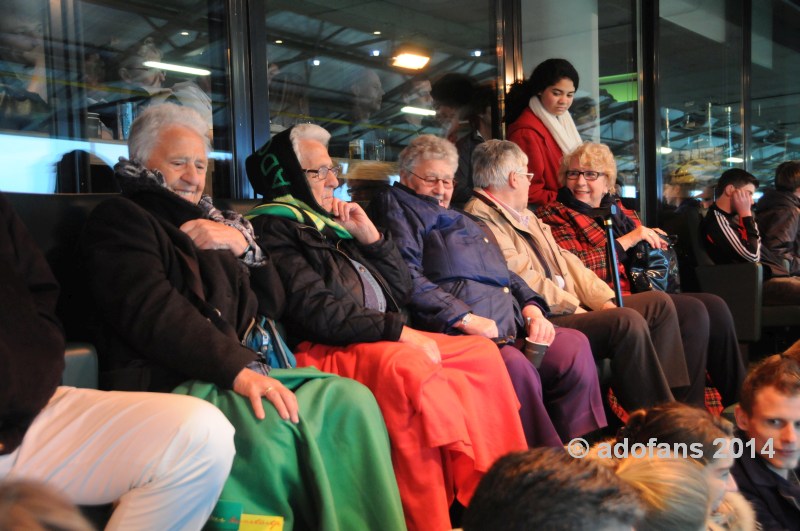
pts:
[538, 121]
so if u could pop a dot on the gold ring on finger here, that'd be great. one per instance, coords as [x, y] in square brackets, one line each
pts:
[268, 390]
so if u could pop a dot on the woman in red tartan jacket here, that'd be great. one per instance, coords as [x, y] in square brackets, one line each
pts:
[587, 176]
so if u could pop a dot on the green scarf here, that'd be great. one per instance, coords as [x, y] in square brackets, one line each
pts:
[286, 206]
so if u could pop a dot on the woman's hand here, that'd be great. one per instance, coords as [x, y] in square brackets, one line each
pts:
[353, 218]
[479, 326]
[422, 342]
[540, 330]
[642, 233]
[255, 386]
[207, 234]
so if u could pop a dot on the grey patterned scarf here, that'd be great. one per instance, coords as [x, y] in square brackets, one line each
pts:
[133, 176]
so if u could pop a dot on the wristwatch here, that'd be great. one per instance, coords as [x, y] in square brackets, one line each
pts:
[466, 319]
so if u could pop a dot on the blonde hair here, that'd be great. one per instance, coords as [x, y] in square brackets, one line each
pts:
[597, 157]
[673, 490]
[36, 507]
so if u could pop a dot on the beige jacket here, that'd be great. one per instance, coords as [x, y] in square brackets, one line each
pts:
[582, 285]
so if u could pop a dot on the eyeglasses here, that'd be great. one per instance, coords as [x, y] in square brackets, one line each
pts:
[447, 183]
[528, 175]
[322, 173]
[588, 175]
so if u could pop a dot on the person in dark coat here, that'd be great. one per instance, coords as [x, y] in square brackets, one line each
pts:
[79, 441]
[447, 401]
[768, 417]
[170, 275]
[462, 285]
[778, 215]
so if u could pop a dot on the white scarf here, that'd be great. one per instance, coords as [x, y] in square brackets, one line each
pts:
[561, 127]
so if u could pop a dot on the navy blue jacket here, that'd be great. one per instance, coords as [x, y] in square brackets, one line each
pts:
[455, 267]
[775, 500]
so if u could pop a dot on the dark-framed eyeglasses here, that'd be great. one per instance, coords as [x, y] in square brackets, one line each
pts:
[588, 175]
[322, 173]
[447, 183]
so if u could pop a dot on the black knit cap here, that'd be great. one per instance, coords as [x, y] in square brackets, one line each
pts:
[274, 171]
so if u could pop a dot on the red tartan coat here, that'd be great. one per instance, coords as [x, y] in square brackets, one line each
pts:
[585, 238]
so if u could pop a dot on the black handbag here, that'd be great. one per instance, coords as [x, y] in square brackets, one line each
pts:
[654, 269]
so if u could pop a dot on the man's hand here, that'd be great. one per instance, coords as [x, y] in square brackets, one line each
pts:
[353, 218]
[540, 330]
[642, 233]
[254, 386]
[741, 202]
[422, 342]
[207, 234]
[479, 326]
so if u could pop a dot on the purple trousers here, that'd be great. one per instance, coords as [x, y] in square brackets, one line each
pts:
[562, 399]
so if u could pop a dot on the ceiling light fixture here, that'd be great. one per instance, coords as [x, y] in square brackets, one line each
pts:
[376, 53]
[278, 41]
[418, 110]
[734, 160]
[411, 57]
[376, 32]
[665, 150]
[177, 68]
[185, 33]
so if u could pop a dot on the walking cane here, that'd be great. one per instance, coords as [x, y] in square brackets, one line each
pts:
[603, 217]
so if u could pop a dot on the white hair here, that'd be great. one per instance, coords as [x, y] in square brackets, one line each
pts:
[428, 147]
[302, 132]
[147, 127]
[493, 160]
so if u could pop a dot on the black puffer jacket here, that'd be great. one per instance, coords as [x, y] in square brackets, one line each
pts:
[325, 297]
[142, 268]
[31, 340]
[778, 217]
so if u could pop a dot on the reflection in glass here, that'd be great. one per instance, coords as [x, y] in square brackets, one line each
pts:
[775, 91]
[700, 119]
[333, 67]
[118, 59]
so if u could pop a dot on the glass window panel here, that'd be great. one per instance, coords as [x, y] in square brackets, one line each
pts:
[332, 65]
[600, 45]
[775, 92]
[699, 94]
[74, 76]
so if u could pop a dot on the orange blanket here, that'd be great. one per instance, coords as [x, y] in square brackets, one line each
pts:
[447, 422]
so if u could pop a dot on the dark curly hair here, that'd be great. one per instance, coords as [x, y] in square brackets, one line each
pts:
[545, 74]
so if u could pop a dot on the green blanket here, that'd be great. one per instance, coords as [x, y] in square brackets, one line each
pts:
[332, 471]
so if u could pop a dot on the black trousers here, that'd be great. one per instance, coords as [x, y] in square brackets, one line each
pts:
[623, 335]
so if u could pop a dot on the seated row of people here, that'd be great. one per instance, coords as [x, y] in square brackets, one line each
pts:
[180, 287]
